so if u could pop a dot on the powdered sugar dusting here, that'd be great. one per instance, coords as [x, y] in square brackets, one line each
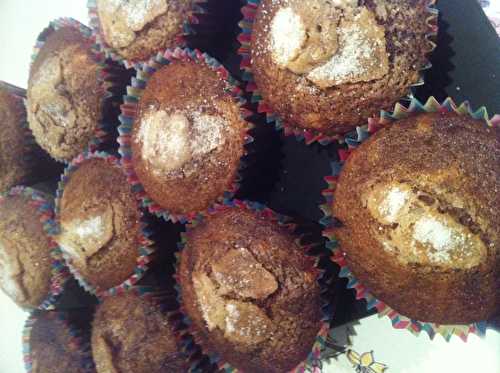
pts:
[90, 228]
[232, 317]
[353, 58]
[137, 13]
[287, 35]
[170, 141]
[394, 201]
[443, 240]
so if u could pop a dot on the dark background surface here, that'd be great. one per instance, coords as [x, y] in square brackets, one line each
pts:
[288, 176]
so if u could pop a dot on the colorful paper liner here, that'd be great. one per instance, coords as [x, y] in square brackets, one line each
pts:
[198, 8]
[353, 140]
[129, 111]
[75, 339]
[45, 209]
[145, 247]
[320, 347]
[103, 131]
[307, 135]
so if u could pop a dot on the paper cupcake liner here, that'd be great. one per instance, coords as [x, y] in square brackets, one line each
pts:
[199, 9]
[309, 136]
[129, 111]
[45, 210]
[103, 131]
[145, 248]
[76, 339]
[320, 347]
[353, 140]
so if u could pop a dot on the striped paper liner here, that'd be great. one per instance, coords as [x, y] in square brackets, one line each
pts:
[145, 247]
[129, 112]
[309, 136]
[45, 209]
[320, 347]
[353, 140]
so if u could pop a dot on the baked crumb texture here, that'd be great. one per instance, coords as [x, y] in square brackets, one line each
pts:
[52, 344]
[416, 217]
[32, 270]
[102, 233]
[132, 32]
[320, 68]
[250, 291]
[66, 91]
[183, 134]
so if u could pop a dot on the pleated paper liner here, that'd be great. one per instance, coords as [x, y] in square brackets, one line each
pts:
[309, 136]
[196, 16]
[76, 340]
[45, 210]
[320, 347]
[145, 247]
[353, 140]
[129, 112]
[103, 131]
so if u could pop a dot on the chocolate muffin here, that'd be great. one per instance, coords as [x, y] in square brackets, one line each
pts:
[131, 334]
[25, 249]
[55, 346]
[65, 91]
[419, 219]
[326, 66]
[137, 30]
[251, 294]
[100, 228]
[187, 138]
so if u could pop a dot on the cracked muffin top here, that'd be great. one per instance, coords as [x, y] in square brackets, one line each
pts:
[25, 260]
[418, 206]
[64, 97]
[328, 65]
[138, 29]
[99, 222]
[131, 334]
[250, 291]
[56, 345]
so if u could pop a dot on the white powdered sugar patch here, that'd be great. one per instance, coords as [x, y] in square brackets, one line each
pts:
[288, 34]
[170, 141]
[93, 227]
[137, 13]
[393, 202]
[443, 239]
[232, 317]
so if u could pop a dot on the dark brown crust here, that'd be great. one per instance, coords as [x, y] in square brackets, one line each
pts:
[140, 337]
[464, 156]
[20, 224]
[173, 87]
[94, 183]
[51, 348]
[14, 168]
[341, 108]
[275, 248]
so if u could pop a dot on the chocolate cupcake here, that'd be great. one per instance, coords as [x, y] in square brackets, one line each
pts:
[250, 292]
[30, 272]
[101, 233]
[52, 344]
[419, 217]
[327, 66]
[135, 31]
[65, 90]
[183, 141]
[130, 333]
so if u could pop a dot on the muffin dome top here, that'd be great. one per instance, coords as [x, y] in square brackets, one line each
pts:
[99, 223]
[420, 199]
[329, 65]
[250, 292]
[64, 93]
